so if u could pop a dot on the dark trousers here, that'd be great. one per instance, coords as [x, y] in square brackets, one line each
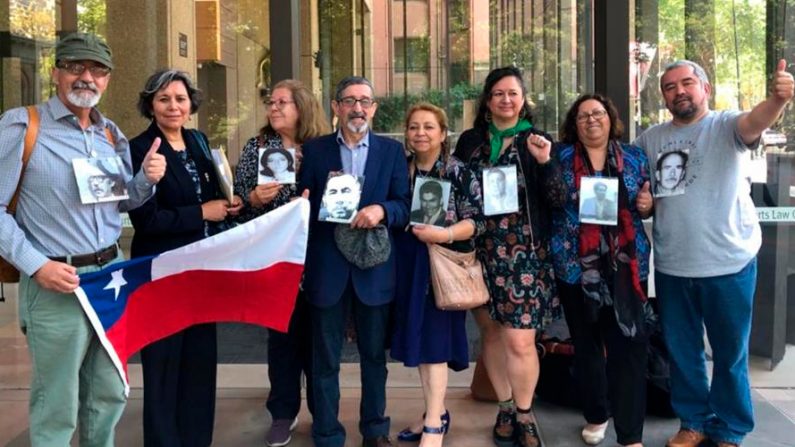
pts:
[289, 355]
[179, 388]
[613, 385]
[328, 330]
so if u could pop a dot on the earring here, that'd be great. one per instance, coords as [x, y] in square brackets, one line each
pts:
[488, 116]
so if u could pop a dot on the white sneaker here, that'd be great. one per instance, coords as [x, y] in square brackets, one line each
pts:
[594, 436]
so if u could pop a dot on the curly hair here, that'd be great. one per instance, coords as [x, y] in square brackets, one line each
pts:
[568, 129]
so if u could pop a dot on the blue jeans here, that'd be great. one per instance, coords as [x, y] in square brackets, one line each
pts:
[328, 332]
[722, 304]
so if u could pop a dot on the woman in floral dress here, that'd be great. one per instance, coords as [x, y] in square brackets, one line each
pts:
[515, 245]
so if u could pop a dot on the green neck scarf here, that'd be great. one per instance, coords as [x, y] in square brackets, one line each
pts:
[498, 135]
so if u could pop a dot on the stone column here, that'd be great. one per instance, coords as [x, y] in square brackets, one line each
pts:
[145, 36]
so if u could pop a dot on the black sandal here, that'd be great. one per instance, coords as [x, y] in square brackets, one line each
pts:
[434, 430]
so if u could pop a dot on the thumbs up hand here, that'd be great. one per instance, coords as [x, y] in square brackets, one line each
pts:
[644, 201]
[154, 165]
[783, 84]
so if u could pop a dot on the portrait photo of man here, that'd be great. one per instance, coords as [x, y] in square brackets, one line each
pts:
[429, 204]
[341, 198]
[99, 179]
[670, 173]
[600, 207]
[500, 190]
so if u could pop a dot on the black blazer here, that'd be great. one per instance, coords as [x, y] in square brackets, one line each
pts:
[172, 218]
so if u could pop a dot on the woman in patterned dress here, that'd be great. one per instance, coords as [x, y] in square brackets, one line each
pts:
[294, 116]
[425, 337]
[602, 270]
[515, 246]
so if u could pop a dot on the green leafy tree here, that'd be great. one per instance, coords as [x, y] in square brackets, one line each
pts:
[91, 16]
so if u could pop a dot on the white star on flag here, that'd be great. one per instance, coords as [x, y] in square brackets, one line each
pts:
[116, 283]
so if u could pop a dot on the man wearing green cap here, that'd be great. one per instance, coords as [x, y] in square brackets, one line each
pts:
[53, 238]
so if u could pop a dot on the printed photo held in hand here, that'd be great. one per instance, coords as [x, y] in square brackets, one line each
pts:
[341, 198]
[99, 179]
[430, 201]
[276, 165]
[670, 172]
[599, 200]
[500, 190]
[224, 171]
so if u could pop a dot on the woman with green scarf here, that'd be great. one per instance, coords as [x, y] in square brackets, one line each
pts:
[515, 245]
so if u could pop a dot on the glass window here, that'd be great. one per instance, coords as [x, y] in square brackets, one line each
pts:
[738, 43]
[411, 54]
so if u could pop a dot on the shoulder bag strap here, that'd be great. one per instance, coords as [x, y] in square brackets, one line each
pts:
[109, 135]
[31, 133]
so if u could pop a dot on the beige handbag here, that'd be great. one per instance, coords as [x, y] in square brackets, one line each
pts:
[457, 279]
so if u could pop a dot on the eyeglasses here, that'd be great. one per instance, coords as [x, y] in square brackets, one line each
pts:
[77, 69]
[350, 101]
[280, 104]
[596, 115]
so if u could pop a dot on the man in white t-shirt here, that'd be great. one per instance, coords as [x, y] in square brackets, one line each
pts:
[705, 275]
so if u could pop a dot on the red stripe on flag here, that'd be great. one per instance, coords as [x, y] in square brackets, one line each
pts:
[168, 305]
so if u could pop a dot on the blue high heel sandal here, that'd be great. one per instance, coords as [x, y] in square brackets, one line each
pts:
[406, 435]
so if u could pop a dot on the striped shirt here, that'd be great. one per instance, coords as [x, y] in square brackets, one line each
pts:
[50, 219]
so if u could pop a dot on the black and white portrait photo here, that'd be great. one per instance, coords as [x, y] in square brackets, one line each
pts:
[430, 201]
[99, 179]
[341, 198]
[276, 165]
[500, 190]
[670, 173]
[599, 200]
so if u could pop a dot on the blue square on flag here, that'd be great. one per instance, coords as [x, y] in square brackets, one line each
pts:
[111, 287]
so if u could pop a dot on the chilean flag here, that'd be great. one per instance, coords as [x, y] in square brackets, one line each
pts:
[249, 274]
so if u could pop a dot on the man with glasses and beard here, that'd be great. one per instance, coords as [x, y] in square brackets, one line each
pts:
[705, 275]
[53, 238]
[334, 285]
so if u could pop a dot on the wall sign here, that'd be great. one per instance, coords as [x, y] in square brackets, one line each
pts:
[776, 214]
[183, 45]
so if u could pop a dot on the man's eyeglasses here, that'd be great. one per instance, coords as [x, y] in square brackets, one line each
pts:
[76, 68]
[280, 104]
[596, 115]
[350, 101]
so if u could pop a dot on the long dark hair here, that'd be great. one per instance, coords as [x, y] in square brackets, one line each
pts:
[481, 123]
[568, 130]
[275, 150]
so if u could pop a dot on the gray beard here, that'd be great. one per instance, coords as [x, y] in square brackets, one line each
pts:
[82, 101]
[354, 129]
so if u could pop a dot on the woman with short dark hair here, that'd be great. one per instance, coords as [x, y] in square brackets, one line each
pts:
[179, 371]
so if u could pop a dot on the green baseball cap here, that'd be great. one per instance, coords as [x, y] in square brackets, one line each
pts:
[83, 47]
